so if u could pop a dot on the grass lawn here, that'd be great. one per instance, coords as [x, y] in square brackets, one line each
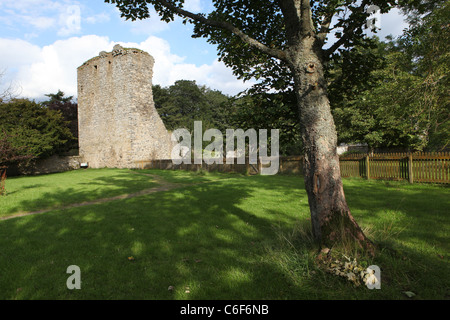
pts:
[59, 189]
[215, 236]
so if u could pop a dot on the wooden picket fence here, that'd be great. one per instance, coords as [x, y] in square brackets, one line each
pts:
[414, 167]
[419, 166]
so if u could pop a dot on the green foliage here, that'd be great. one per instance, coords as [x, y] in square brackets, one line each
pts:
[34, 128]
[405, 103]
[261, 20]
[427, 45]
[58, 97]
[417, 8]
[385, 115]
[184, 102]
[267, 23]
[259, 110]
[69, 111]
[350, 75]
[10, 154]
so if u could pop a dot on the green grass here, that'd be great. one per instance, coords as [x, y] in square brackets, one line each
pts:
[59, 189]
[228, 236]
[188, 177]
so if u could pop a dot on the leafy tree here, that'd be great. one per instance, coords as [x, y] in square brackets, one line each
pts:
[58, 97]
[69, 111]
[426, 46]
[405, 102]
[10, 155]
[418, 8]
[168, 112]
[283, 43]
[44, 132]
[184, 102]
[259, 110]
[362, 112]
[219, 106]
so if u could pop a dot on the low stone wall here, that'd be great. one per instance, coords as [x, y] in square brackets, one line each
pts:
[57, 164]
[287, 165]
[52, 164]
[291, 165]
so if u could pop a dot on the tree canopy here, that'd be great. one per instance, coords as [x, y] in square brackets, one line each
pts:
[405, 102]
[184, 102]
[33, 128]
[69, 111]
[254, 37]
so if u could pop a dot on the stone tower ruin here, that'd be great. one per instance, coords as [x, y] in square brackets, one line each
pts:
[117, 120]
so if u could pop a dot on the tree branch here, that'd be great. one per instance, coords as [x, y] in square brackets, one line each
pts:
[292, 19]
[276, 53]
[325, 25]
[346, 34]
[9, 92]
[336, 45]
[307, 25]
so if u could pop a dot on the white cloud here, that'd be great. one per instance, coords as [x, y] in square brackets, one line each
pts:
[39, 71]
[170, 68]
[16, 20]
[40, 22]
[70, 20]
[43, 70]
[65, 16]
[17, 52]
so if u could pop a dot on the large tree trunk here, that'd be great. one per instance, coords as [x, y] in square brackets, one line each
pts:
[332, 221]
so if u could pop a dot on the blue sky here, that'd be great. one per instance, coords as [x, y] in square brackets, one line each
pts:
[42, 42]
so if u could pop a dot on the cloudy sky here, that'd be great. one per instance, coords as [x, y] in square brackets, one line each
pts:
[42, 42]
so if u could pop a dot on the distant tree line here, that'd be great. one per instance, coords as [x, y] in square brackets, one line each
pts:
[184, 102]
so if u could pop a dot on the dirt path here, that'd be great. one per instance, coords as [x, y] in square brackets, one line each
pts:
[162, 186]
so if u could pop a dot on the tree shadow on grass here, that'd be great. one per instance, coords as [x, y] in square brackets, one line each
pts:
[188, 177]
[119, 183]
[420, 211]
[410, 224]
[32, 186]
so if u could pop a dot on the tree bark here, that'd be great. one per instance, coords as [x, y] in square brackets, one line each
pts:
[332, 222]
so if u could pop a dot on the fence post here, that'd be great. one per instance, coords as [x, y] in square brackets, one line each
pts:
[410, 168]
[259, 165]
[367, 167]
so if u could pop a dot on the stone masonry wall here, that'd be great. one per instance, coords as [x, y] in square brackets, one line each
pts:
[117, 120]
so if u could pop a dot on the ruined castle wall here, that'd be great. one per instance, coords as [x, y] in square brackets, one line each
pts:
[117, 120]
